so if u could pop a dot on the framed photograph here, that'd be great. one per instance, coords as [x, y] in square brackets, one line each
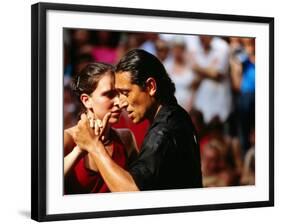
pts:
[222, 68]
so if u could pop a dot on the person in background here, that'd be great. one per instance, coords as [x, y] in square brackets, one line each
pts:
[105, 47]
[242, 64]
[162, 50]
[180, 71]
[211, 64]
[149, 42]
[216, 168]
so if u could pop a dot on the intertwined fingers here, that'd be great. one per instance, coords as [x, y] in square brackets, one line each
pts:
[104, 123]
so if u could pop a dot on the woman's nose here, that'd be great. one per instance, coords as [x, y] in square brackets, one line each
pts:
[116, 101]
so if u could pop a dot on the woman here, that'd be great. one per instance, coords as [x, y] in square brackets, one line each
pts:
[95, 87]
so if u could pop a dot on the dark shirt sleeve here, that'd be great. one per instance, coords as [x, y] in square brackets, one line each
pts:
[145, 169]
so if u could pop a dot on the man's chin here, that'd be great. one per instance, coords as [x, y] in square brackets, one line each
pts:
[137, 120]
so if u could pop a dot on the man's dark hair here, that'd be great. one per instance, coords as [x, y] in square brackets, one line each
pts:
[143, 65]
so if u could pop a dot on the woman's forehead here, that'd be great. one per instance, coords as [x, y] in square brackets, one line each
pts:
[105, 83]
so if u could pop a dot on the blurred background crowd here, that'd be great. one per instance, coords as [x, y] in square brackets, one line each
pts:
[215, 82]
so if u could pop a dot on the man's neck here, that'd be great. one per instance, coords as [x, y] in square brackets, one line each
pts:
[154, 113]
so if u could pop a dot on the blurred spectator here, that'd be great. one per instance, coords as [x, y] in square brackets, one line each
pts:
[128, 41]
[193, 43]
[149, 42]
[105, 47]
[178, 67]
[232, 156]
[215, 166]
[162, 50]
[211, 65]
[77, 44]
[215, 130]
[70, 108]
[81, 62]
[242, 63]
[248, 175]
[81, 43]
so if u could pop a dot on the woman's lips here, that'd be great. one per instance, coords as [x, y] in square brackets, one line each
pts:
[117, 112]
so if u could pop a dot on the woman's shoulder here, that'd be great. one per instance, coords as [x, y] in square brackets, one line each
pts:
[128, 139]
[123, 132]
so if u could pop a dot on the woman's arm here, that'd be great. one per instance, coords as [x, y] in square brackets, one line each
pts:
[70, 159]
[71, 152]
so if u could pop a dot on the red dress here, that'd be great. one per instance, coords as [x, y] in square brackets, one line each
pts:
[82, 180]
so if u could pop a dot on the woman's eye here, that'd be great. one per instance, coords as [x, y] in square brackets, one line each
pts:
[111, 94]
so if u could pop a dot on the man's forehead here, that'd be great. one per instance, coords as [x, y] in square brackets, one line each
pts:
[122, 79]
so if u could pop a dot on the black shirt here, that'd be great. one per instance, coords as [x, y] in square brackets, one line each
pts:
[170, 156]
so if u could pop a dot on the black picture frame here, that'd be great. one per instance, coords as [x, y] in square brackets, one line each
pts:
[40, 122]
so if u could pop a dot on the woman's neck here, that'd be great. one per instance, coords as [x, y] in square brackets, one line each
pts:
[107, 134]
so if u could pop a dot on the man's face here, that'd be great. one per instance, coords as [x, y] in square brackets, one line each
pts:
[133, 98]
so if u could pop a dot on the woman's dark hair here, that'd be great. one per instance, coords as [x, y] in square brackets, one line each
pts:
[87, 79]
[143, 65]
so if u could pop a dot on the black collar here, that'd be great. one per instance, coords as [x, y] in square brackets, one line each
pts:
[163, 114]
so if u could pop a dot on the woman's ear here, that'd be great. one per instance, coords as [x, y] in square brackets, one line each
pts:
[151, 86]
[86, 100]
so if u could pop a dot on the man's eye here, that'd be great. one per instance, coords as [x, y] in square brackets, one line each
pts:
[125, 93]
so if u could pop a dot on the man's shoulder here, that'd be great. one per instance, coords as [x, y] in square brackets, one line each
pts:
[156, 137]
[175, 118]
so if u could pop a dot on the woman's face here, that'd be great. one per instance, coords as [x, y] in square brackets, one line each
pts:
[104, 99]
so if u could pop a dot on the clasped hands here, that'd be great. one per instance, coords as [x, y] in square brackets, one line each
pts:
[89, 132]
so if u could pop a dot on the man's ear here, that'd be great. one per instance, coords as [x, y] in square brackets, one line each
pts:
[86, 100]
[151, 86]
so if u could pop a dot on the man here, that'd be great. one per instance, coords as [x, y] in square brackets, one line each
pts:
[169, 157]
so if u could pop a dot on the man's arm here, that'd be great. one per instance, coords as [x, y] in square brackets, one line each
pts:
[115, 177]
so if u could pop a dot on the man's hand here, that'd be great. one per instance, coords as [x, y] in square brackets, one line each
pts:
[85, 136]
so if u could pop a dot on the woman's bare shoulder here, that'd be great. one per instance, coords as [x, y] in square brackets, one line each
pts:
[127, 137]
[124, 133]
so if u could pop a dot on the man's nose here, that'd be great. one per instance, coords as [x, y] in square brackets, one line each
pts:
[123, 103]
